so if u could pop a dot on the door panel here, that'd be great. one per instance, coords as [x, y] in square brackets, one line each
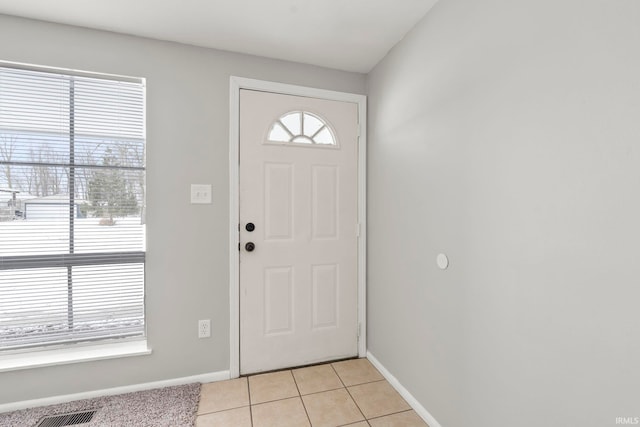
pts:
[278, 201]
[298, 287]
[325, 296]
[278, 300]
[324, 199]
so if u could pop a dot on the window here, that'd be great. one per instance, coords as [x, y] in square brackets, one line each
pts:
[72, 207]
[301, 127]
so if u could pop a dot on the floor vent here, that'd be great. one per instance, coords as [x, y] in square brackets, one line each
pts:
[67, 419]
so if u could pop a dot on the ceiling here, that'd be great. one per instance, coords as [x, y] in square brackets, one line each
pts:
[351, 35]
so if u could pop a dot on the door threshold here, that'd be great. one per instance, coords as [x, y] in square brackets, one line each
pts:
[300, 366]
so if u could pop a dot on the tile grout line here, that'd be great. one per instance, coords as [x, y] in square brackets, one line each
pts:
[393, 413]
[300, 396]
[352, 424]
[357, 422]
[349, 393]
[280, 398]
[219, 411]
[368, 382]
[250, 405]
[357, 406]
[344, 386]
[338, 375]
[323, 391]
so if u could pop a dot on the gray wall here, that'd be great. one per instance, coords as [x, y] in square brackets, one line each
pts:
[506, 133]
[187, 130]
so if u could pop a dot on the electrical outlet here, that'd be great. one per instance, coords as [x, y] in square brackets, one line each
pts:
[200, 193]
[204, 328]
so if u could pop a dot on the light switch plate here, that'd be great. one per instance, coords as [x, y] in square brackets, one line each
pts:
[200, 193]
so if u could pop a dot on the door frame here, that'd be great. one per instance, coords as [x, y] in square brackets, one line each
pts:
[236, 84]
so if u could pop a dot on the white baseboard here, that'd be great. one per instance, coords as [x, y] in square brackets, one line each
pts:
[203, 378]
[420, 410]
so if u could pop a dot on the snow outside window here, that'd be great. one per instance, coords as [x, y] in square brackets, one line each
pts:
[72, 207]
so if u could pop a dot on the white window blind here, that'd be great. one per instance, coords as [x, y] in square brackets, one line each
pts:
[72, 207]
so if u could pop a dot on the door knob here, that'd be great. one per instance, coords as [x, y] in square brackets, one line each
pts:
[250, 246]
[250, 227]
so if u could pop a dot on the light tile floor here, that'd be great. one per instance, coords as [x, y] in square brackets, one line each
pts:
[348, 393]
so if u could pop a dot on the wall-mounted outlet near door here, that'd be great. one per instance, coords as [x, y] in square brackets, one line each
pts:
[204, 328]
[200, 193]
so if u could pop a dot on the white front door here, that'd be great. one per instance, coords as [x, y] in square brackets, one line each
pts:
[298, 230]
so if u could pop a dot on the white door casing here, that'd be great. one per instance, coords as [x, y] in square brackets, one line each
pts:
[298, 287]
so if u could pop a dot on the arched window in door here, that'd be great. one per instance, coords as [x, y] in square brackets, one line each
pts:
[301, 127]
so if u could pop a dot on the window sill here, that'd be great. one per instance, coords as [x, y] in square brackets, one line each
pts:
[63, 356]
